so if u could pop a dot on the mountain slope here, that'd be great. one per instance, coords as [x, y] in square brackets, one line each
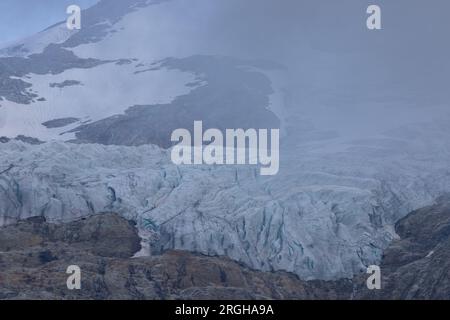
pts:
[34, 255]
[325, 215]
[116, 90]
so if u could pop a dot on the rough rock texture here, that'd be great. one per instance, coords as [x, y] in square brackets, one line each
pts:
[104, 235]
[417, 266]
[34, 256]
[58, 123]
[22, 138]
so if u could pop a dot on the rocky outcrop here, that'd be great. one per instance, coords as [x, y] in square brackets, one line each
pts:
[417, 266]
[24, 139]
[58, 123]
[35, 254]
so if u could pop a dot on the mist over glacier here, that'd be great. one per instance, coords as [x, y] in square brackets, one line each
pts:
[364, 116]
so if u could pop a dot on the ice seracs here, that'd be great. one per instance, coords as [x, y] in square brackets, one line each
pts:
[324, 215]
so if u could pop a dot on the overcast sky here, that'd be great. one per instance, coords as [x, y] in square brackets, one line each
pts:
[331, 56]
[21, 18]
[323, 42]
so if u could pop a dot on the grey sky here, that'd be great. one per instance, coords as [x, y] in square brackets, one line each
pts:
[21, 18]
[323, 41]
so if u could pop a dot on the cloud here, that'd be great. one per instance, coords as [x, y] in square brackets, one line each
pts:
[21, 18]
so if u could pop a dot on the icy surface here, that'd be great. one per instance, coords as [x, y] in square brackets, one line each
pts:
[325, 215]
[351, 165]
[100, 95]
[37, 43]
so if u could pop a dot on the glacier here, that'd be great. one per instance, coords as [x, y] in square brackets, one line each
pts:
[326, 215]
[360, 148]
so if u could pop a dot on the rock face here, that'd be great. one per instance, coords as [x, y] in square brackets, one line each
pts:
[22, 138]
[417, 266]
[34, 255]
[103, 235]
[58, 123]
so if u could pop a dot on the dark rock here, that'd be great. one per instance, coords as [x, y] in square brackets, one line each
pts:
[53, 60]
[66, 83]
[34, 256]
[29, 140]
[46, 256]
[417, 266]
[38, 254]
[59, 123]
[25, 139]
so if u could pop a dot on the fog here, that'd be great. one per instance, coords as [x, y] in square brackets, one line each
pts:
[412, 47]
[343, 75]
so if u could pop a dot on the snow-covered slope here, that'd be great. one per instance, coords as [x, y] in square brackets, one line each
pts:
[37, 43]
[113, 63]
[81, 99]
